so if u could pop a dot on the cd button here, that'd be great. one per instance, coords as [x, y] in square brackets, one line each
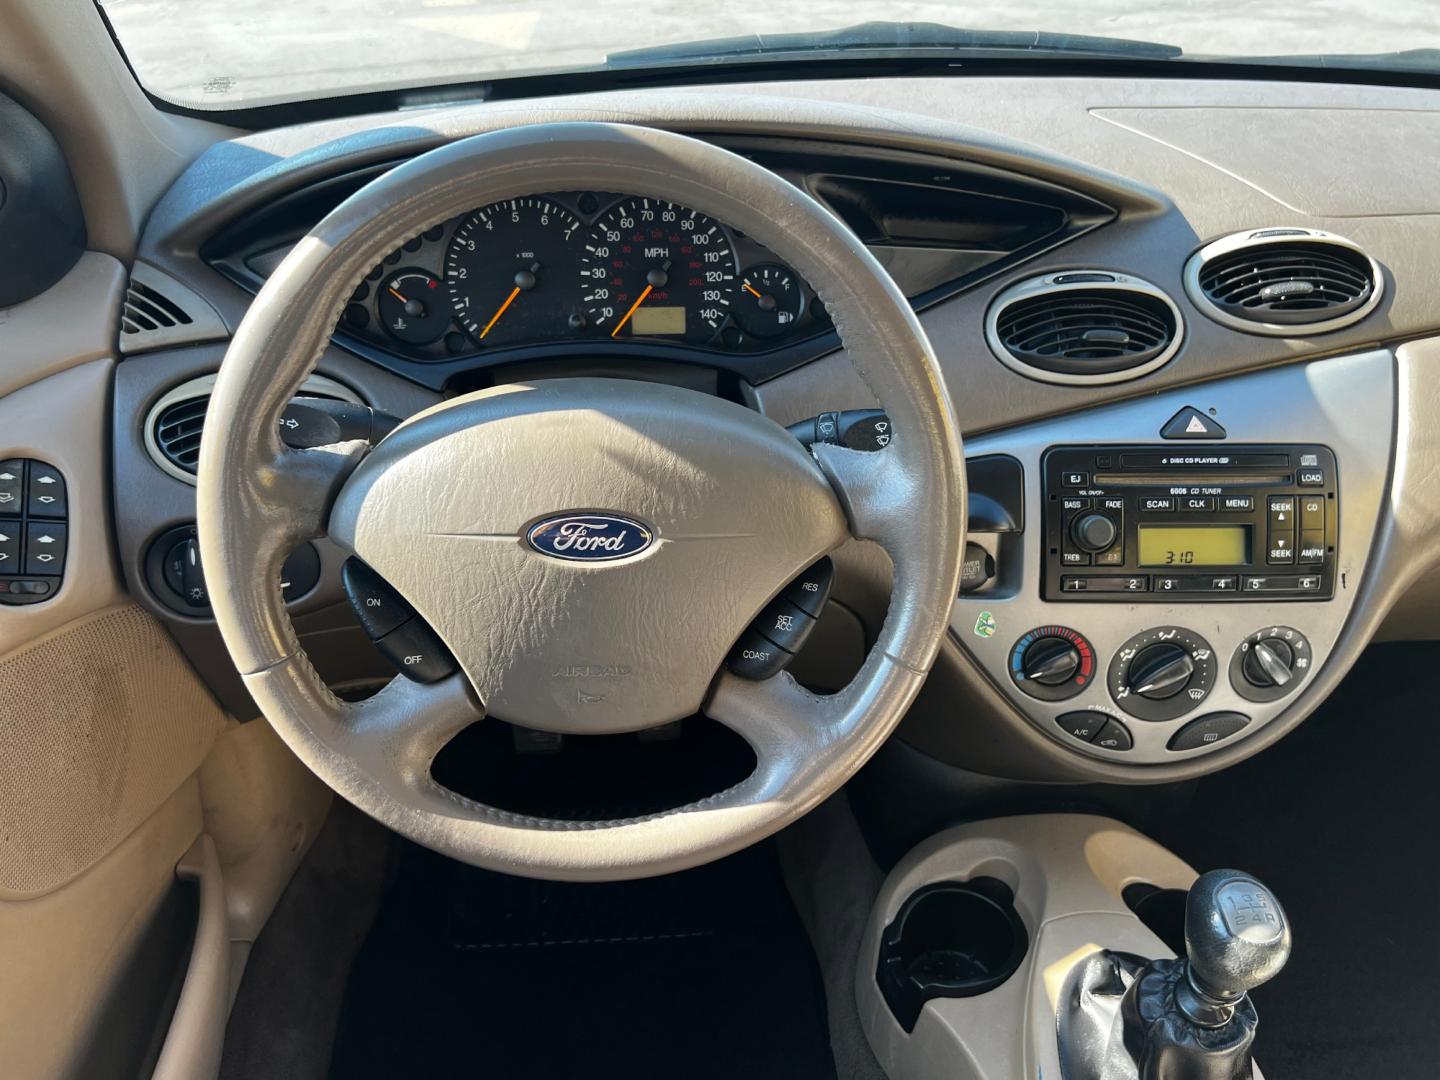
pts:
[1312, 512]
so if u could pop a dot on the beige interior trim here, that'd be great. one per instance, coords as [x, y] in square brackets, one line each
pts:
[1067, 872]
[71, 323]
[197, 1029]
[63, 952]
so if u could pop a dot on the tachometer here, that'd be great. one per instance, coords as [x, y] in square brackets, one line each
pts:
[654, 269]
[511, 271]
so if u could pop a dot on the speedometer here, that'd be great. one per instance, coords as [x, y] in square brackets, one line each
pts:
[510, 271]
[654, 269]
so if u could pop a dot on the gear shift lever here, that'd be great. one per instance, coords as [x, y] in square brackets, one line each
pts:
[1237, 938]
[1123, 1018]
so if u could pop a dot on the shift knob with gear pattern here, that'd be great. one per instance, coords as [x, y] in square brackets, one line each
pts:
[1236, 936]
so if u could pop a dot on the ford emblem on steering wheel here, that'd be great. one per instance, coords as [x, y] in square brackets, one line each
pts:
[589, 537]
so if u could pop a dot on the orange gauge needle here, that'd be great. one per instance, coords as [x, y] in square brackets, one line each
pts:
[398, 296]
[496, 317]
[638, 301]
[751, 290]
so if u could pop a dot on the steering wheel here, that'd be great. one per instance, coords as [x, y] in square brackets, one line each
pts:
[734, 506]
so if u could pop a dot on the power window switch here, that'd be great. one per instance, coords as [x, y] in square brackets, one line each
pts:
[44, 548]
[46, 492]
[9, 547]
[12, 487]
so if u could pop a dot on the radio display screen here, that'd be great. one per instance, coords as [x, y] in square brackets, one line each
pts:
[1194, 545]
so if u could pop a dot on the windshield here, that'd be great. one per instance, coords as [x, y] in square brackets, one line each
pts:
[227, 54]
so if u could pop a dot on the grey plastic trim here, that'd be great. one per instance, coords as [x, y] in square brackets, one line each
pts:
[195, 389]
[205, 322]
[1346, 403]
[1277, 234]
[1047, 283]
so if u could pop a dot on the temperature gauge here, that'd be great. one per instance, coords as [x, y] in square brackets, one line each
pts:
[770, 300]
[413, 307]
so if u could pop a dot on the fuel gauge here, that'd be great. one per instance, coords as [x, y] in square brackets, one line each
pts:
[412, 306]
[770, 300]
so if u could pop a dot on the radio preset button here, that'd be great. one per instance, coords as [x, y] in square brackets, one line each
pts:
[1197, 583]
[1104, 583]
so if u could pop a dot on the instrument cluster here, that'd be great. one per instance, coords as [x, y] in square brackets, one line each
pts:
[580, 267]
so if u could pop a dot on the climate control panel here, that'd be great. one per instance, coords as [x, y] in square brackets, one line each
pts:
[1162, 678]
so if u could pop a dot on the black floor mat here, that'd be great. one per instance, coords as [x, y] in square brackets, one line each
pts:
[702, 974]
[1339, 819]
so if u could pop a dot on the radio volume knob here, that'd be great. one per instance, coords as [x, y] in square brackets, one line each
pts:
[1093, 532]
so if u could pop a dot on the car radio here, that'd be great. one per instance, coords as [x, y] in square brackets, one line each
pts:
[1160, 523]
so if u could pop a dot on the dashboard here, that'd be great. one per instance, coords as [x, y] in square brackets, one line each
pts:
[977, 227]
[587, 275]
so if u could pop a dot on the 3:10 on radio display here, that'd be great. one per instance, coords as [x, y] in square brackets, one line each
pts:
[1194, 545]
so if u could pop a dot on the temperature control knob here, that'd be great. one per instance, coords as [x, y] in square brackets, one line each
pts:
[1162, 674]
[1052, 663]
[1270, 663]
[1093, 532]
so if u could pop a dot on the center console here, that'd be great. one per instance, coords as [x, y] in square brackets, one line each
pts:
[1176, 586]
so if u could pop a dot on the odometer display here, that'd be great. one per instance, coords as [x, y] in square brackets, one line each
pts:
[510, 271]
[652, 268]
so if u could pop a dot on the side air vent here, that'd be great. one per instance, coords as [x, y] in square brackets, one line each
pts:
[175, 423]
[159, 312]
[1284, 282]
[1083, 327]
[148, 309]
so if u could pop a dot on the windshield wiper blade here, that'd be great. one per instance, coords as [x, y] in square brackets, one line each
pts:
[892, 39]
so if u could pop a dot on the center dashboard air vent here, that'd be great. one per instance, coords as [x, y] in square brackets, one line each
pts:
[1283, 282]
[175, 423]
[1082, 327]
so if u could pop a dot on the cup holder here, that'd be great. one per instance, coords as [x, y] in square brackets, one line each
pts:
[952, 939]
